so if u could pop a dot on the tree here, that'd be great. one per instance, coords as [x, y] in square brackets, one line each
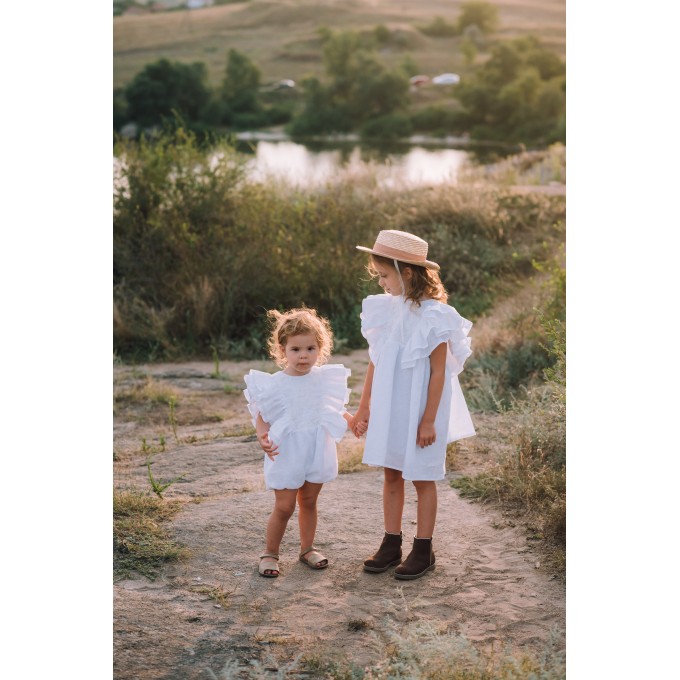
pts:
[484, 15]
[359, 88]
[469, 50]
[241, 84]
[165, 87]
[517, 95]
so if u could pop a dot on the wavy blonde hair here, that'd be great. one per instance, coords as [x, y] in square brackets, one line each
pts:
[301, 321]
[425, 283]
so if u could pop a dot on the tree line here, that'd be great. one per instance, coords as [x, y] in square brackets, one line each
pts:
[517, 95]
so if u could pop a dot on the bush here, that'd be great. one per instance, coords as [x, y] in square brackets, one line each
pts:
[392, 127]
[436, 120]
[484, 15]
[200, 252]
[533, 478]
[439, 28]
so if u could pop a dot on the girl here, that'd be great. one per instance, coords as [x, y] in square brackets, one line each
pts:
[411, 402]
[298, 414]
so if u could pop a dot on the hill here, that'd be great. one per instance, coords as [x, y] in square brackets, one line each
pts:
[281, 36]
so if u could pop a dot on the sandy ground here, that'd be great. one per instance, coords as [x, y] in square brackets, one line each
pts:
[489, 583]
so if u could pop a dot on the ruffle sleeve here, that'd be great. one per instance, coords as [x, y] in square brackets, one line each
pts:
[439, 323]
[333, 394]
[376, 311]
[262, 398]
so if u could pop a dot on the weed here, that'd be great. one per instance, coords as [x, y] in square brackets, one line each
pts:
[239, 431]
[423, 650]
[145, 390]
[172, 403]
[216, 593]
[216, 360]
[156, 486]
[141, 542]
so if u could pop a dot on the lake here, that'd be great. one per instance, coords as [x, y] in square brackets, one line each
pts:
[317, 164]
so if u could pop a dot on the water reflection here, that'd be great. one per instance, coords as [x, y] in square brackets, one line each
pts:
[305, 165]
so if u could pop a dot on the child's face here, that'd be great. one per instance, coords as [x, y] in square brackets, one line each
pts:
[302, 352]
[388, 278]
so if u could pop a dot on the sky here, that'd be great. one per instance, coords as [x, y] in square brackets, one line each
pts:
[622, 252]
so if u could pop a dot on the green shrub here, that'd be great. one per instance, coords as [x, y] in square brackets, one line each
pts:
[200, 252]
[392, 127]
[533, 478]
[437, 120]
[439, 28]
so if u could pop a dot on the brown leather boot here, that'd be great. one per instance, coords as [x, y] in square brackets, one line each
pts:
[419, 561]
[389, 554]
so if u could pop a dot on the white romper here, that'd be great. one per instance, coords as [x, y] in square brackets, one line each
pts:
[401, 336]
[305, 415]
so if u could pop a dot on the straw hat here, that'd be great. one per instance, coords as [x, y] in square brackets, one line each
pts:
[402, 246]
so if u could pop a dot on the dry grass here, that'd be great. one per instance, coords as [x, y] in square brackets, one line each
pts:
[255, 28]
[144, 390]
[141, 541]
[350, 453]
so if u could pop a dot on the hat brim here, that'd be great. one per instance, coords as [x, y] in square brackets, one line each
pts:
[427, 264]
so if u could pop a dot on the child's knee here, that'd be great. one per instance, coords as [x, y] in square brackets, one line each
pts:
[425, 486]
[393, 476]
[284, 509]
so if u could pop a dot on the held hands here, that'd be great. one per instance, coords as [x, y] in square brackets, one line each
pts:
[360, 428]
[359, 422]
[426, 434]
[268, 445]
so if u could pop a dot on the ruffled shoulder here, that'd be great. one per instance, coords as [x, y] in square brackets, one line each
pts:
[439, 323]
[333, 394]
[376, 315]
[262, 397]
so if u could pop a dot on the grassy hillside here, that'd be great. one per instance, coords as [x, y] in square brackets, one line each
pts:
[280, 36]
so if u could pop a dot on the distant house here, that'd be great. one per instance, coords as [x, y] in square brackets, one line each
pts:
[157, 7]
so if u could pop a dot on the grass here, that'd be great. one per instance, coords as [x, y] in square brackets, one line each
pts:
[142, 543]
[281, 37]
[350, 453]
[145, 390]
[418, 649]
[216, 593]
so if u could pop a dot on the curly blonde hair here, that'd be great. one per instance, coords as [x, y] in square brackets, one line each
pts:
[425, 283]
[300, 321]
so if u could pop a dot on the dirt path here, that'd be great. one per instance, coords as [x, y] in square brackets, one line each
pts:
[488, 584]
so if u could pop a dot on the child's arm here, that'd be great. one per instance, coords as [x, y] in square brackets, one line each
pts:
[364, 411]
[262, 430]
[426, 432]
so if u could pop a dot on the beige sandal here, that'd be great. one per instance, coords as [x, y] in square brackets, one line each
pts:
[269, 565]
[314, 558]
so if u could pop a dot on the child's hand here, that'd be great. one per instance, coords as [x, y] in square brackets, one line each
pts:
[356, 424]
[268, 445]
[426, 434]
[360, 421]
[359, 428]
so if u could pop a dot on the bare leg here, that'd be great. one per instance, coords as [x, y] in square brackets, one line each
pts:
[393, 500]
[284, 507]
[307, 514]
[427, 508]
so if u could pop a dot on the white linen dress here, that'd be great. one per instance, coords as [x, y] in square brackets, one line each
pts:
[401, 336]
[305, 415]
